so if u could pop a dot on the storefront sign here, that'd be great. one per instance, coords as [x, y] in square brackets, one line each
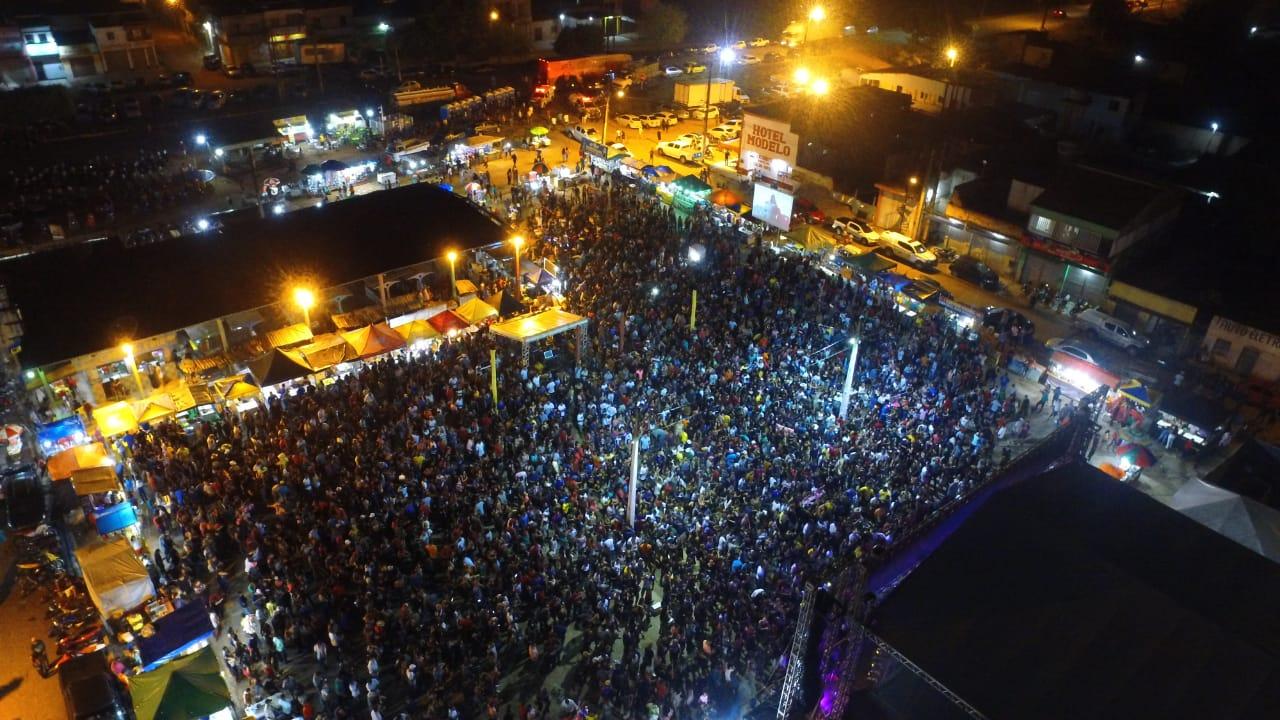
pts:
[1066, 253]
[1223, 326]
[768, 145]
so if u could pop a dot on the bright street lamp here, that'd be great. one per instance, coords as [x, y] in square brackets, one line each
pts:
[304, 299]
[817, 14]
[493, 15]
[201, 139]
[727, 56]
[383, 27]
[952, 55]
[127, 349]
[801, 76]
[604, 131]
[452, 257]
[518, 242]
[820, 86]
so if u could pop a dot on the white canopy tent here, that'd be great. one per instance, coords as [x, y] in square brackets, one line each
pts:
[114, 576]
[1248, 522]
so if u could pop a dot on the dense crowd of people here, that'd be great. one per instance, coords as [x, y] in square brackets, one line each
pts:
[432, 553]
[93, 193]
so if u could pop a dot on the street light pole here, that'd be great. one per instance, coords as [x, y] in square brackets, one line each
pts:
[604, 131]
[517, 241]
[854, 346]
[133, 367]
[726, 56]
[453, 280]
[304, 298]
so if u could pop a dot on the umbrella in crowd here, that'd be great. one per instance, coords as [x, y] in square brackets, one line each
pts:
[541, 168]
[537, 131]
[1136, 454]
[311, 169]
[649, 171]
[1136, 391]
[333, 166]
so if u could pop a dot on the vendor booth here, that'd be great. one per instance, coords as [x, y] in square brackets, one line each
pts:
[62, 465]
[1190, 416]
[188, 688]
[416, 332]
[114, 577]
[373, 340]
[688, 192]
[114, 518]
[115, 419]
[529, 329]
[181, 632]
[61, 434]
[94, 480]
[279, 366]
[476, 311]
[295, 130]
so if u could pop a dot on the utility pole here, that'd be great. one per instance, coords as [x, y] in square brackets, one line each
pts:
[854, 346]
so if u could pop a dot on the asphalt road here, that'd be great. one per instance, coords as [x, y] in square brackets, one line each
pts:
[24, 695]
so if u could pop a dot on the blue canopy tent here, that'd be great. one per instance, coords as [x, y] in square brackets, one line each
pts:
[115, 517]
[177, 633]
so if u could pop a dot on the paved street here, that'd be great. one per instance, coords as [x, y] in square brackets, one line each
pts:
[24, 695]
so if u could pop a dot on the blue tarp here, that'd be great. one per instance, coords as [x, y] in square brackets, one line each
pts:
[116, 517]
[176, 633]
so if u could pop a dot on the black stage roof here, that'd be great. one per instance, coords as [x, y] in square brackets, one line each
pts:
[1075, 596]
[90, 297]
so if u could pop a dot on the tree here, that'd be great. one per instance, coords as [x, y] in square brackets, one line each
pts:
[664, 25]
[580, 40]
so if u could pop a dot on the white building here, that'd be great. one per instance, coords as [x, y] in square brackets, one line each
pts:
[931, 90]
[1243, 348]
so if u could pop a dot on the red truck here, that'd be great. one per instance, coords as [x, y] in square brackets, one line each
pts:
[551, 70]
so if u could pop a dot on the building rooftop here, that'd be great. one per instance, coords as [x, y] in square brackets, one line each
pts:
[1101, 198]
[90, 297]
[1071, 595]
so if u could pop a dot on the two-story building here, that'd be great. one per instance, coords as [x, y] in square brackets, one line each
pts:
[77, 40]
[16, 68]
[1094, 103]
[290, 32]
[1085, 223]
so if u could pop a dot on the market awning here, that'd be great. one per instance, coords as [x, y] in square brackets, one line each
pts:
[88, 481]
[447, 321]
[482, 140]
[476, 311]
[187, 395]
[531, 328]
[870, 263]
[1200, 411]
[506, 303]
[184, 689]
[61, 466]
[175, 634]
[115, 517]
[289, 336]
[156, 407]
[325, 351]
[416, 330]
[358, 318]
[115, 419]
[114, 576]
[466, 287]
[235, 387]
[279, 366]
[374, 340]
[692, 184]
[1137, 392]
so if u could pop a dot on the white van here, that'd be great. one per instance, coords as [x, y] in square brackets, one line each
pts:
[1117, 332]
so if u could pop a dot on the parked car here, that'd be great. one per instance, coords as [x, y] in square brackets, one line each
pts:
[967, 267]
[710, 111]
[1113, 330]
[371, 74]
[680, 149]
[233, 71]
[212, 61]
[26, 505]
[692, 68]
[630, 121]
[408, 86]
[803, 210]
[672, 71]
[750, 60]
[710, 48]
[855, 229]
[723, 133]
[1075, 351]
[89, 689]
[619, 149]
[740, 45]
[1000, 318]
[760, 42]
[772, 57]
[907, 250]
[668, 118]
[578, 132]
[215, 100]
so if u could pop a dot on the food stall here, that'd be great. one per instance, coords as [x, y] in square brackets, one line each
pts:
[295, 130]
[189, 687]
[1190, 416]
[177, 634]
[61, 435]
[114, 576]
[687, 192]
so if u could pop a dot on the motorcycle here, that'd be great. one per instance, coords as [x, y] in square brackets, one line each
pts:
[40, 661]
[89, 635]
[64, 621]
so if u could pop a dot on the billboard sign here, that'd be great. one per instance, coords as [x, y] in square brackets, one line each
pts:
[772, 206]
[768, 146]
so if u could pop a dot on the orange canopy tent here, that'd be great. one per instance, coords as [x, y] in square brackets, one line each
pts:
[374, 340]
[62, 465]
[447, 321]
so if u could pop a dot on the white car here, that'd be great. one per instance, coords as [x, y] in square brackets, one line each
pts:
[695, 138]
[699, 113]
[1113, 330]
[735, 123]
[710, 48]
[740, 45]
[408, 86]
[651, 121]
[584, 133]
[750, 60]
[723, 132]
[628, 120]
[672, 71]
[619, 149]
[669, 119]
[852, 228]
[621, 81]
[760, 42]
[907, 250]
[1075, 351]
[678, 149]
